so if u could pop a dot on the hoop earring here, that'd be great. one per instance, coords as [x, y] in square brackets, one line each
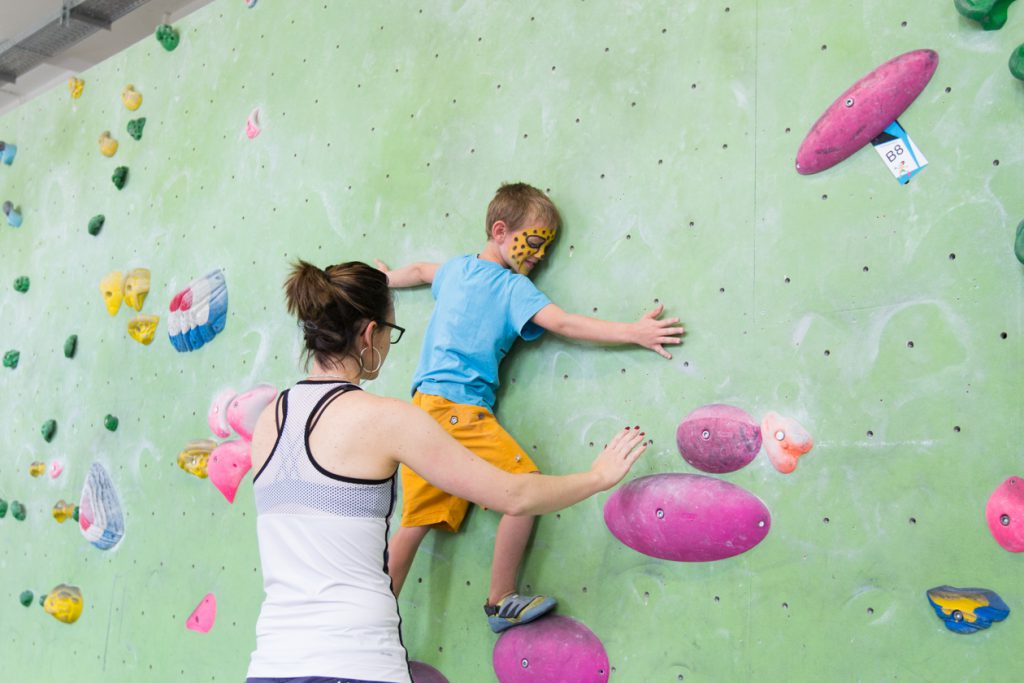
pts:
[379, 363]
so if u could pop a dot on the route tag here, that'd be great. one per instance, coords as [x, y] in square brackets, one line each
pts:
[899, 152]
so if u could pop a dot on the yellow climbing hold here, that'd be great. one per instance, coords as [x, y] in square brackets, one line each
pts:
[64, 603]
[112, 288]
[193, 458]
[141, 328]
[37, 469]
[108, 145]
[63, 511]
[136, 287]
[75, 85]
[131, 98]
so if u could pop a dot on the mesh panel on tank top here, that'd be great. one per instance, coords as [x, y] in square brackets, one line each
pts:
[291, 484]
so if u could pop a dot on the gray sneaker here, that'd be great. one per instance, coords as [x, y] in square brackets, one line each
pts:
[513, 610]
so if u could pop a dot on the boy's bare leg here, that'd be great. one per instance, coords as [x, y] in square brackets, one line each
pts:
[402, 551]
[509, 548]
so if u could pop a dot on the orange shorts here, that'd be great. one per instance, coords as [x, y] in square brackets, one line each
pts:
[476, 428]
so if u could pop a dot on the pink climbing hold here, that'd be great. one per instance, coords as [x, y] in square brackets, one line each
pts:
[227, 465]
[217, 416]
[686, 517]
[56, 467]
[424, 673]
[252, 124]
[784, 440]
[202, 617]
[1005, 514]
[718, 438]
[245, 409]
[553, 649]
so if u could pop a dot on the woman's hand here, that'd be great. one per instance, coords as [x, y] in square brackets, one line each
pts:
[614, 462]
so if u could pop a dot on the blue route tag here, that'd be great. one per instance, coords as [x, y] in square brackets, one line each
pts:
[899, 152]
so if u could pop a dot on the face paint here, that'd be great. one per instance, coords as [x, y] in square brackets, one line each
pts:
[531, 243]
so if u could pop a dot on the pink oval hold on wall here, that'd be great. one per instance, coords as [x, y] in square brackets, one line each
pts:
[686, 517]
[553, 649]
[1004, 513]
[718, 438]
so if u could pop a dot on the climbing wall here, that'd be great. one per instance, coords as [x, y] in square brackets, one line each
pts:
[886, 318]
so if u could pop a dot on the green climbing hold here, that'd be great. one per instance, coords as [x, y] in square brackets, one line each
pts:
[1018, 243]
[21, 284]
[26, 598]
[135, 127]
[110, 422]
[3, 508]
[18, 510]
[96, 223]
[991, 14]
[1017, 62]
[48, 429]
[42, 599]
[168, 36]
[11, 359]
[70, 346]
[75, 516]
[120, 177]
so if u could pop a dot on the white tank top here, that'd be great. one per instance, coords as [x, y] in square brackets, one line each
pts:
[329, 609]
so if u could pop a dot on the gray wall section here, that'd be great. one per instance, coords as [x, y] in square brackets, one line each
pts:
[666, 133]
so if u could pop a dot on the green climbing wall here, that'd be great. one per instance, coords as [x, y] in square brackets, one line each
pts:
[886, 318]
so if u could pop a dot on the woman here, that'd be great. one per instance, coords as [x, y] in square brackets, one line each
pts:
[325, 456]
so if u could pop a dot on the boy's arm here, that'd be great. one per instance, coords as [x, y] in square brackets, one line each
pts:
[648, 332]
[412, 275]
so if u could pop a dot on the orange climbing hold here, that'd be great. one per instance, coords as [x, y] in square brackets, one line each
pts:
[785, 440]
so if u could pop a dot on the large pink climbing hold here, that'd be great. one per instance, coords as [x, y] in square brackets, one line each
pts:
[217, 417]
[553, 649]
[226, 466]
[202, 617]
[424, 673]
[245, 409]
[865, 109]
[718, 438]
[1005, 514]
[686, 517]
[785, 440]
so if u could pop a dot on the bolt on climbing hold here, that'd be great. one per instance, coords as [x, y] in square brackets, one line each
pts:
[1017, 62]
[37, 469]
[18, 510]
[11, 359]
[991, 14]
[8, 152]
[135, 127]
[70, 346]
[167, 36]
[26, 598]
[21, 284]
[120, 177]
[3, 508]
[110, 422]
[108, 145]
[75, 86]
[64, 603]
[48, 429]
[96, 224]
[63, 511]
[131, 98]
[13, 215]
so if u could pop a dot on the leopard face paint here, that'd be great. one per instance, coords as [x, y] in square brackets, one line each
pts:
[529, 246]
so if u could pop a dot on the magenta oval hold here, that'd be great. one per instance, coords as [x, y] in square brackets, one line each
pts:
[424, 673]
[686, 517]
[552, 649]
[1004, 513]
[865, 109]
[718, 438]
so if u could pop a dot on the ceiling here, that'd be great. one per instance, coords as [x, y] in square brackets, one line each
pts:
[39, 51]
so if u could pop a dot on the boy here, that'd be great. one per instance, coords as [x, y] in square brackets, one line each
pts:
[484, 302]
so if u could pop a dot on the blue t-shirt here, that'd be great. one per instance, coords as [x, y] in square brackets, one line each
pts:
[481, 309]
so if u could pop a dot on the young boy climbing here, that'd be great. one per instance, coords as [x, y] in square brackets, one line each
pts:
[483, 303]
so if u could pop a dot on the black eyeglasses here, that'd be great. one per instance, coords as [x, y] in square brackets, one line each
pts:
[396, 331]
